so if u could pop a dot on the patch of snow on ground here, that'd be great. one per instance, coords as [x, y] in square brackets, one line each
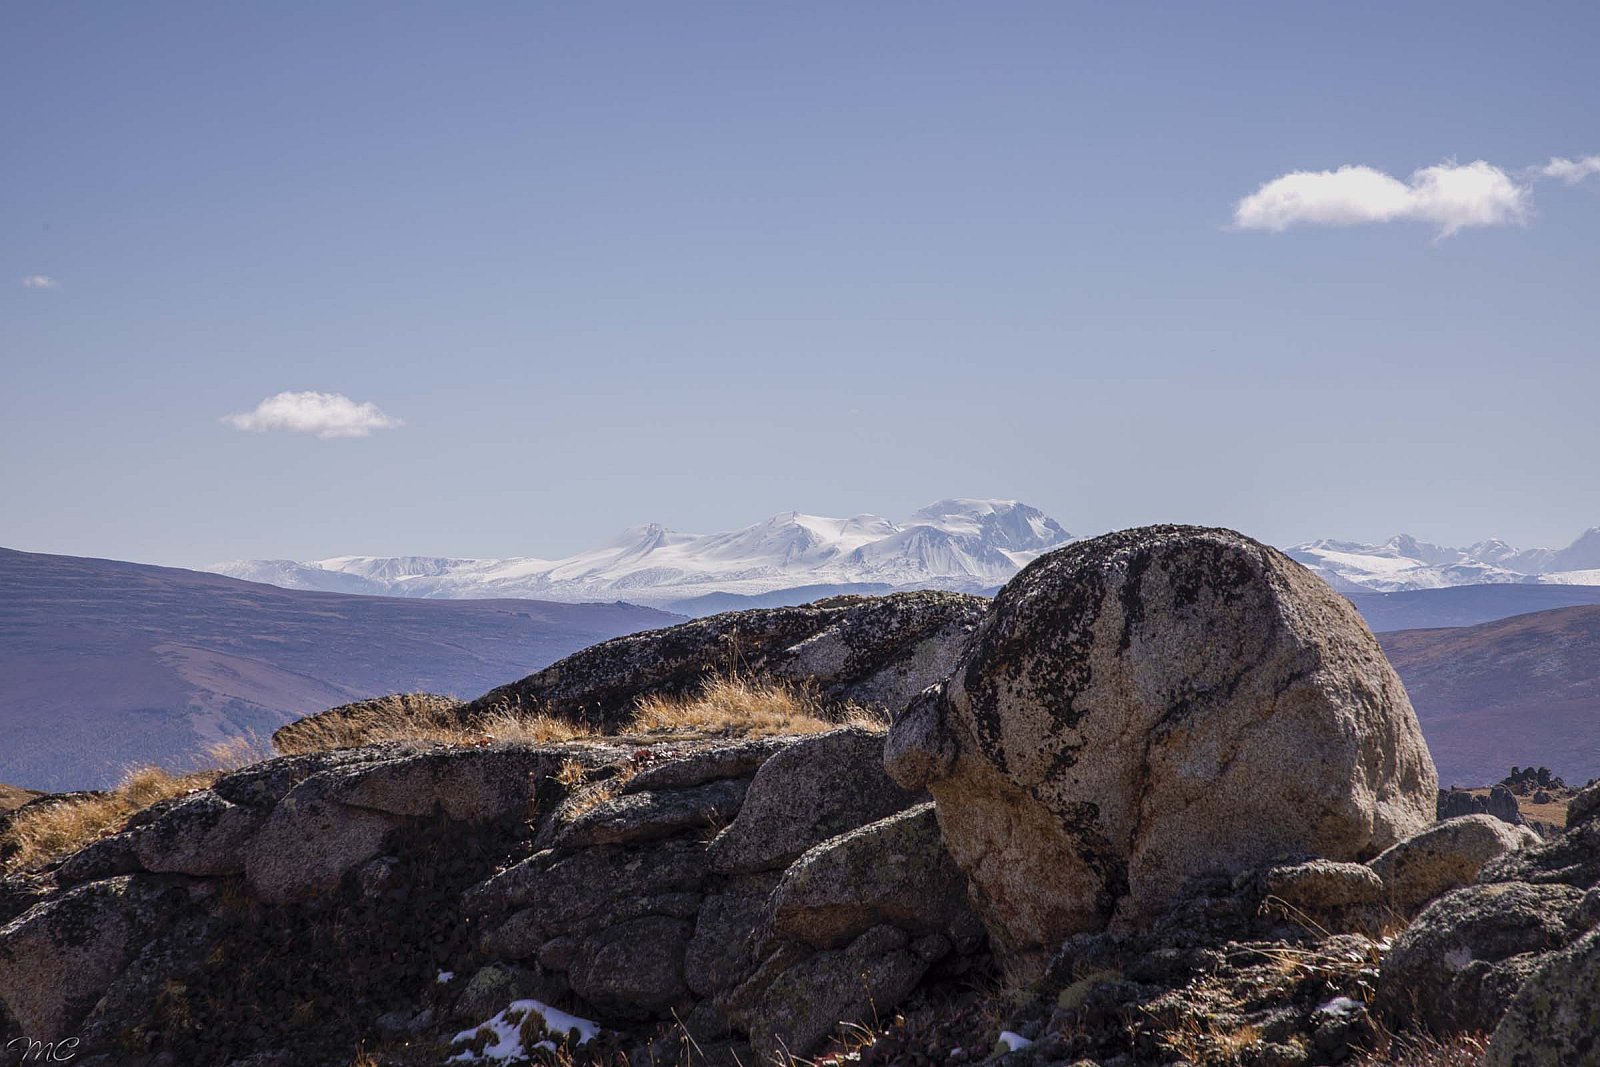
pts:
[1013, 1041]
[1340, 1006]
[507, 1043]
[445, 976]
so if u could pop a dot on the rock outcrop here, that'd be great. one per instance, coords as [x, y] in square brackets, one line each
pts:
[875, 651]
[761, 891]
[1143, 708]
[1463, 959]
[1501, 803]
[1555, 1019]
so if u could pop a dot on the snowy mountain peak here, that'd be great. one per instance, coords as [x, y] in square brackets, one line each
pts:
[953, 544]
[1406, 546]
[1008, 525]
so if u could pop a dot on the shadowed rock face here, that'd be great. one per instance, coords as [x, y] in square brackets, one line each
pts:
[879, 651]
[1149, 706]
[631, 883]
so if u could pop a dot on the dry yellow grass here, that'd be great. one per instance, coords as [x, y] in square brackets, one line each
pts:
[723, 707]
[51, 831]
[743, 707]
[419, 717]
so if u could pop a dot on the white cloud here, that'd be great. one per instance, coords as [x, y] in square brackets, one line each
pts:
[1571, 171]
[1451, 196]
[39, 281]
[326, 415]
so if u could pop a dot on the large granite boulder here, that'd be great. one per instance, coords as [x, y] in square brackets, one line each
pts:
[876, 651]
[1145, 707]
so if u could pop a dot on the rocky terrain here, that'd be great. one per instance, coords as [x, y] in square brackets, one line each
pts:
[1163, 801]
[112, 664]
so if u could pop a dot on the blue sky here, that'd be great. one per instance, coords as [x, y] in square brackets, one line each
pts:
[702, 263]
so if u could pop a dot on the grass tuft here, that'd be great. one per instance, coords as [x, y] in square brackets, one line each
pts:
[50, 831]
[722, 707]
[55, 829]
[419, 717]
[1421, 1050]
[744, 707]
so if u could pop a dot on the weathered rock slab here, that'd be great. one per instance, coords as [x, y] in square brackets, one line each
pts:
[877, 651]
[1554, 1021]
[894, 872]
[1459, 963]
[814, 789]
[58, 958]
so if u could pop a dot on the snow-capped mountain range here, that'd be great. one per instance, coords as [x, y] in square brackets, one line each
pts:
[1404, 563]
[963, 544]
[954, 544]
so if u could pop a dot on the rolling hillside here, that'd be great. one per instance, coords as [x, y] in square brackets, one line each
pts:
[1523, 690]
[103, 664]
[11, 797]
[1465, 605]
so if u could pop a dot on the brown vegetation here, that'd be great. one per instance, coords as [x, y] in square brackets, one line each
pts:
[51, 830]
[723, 707]
[739, 706]
[731, 706]
[12, 797]
[1463, 1050]
[419, 717]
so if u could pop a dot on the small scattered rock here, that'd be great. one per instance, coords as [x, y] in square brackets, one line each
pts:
[1445, 856]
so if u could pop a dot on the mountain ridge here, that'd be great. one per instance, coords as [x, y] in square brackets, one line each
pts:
[1404, 563]
[963, 544]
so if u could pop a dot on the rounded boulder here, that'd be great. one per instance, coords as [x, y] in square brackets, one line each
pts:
[1149, 706]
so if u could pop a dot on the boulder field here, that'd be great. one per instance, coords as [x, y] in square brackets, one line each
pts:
[1163, 801]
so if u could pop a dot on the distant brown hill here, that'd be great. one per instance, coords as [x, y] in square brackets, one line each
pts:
[105, 664]
[1520, 691]
[11, 797]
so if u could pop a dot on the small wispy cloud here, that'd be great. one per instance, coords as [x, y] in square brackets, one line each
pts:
[39, 281]
[326, 415]
[1450, 196]
[1571, 171]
